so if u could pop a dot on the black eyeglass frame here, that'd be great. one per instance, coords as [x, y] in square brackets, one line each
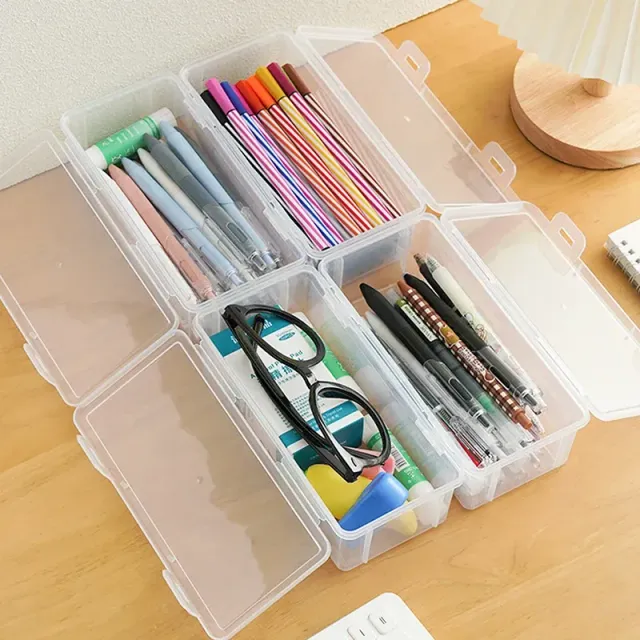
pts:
[347, 461]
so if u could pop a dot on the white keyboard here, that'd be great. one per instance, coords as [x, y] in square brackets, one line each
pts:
[386, 617]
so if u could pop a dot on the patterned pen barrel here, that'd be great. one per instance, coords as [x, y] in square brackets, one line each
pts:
[471, 363]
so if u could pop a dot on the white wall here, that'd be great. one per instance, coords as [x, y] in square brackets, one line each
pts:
[56, 54]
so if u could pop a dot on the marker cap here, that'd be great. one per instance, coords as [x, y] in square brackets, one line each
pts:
[236, 100]
[219, 95]
[250, 96]
[270, 83]
[296, 78]
[263, 95]
[281, 78]
[214, 107]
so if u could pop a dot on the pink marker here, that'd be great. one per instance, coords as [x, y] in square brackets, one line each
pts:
[300, 215]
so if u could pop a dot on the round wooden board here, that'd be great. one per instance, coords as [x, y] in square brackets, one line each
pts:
[557, 115]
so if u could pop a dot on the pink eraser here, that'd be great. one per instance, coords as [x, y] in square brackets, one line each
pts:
[371, 472]
[281, 78]
[215, 89]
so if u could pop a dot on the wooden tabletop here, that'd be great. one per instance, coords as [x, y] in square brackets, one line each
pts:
[557, 558]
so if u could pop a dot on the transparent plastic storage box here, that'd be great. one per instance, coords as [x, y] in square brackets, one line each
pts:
[160, 416]
[548, 310]
[377, 95]
[303, 289]
[85, 125]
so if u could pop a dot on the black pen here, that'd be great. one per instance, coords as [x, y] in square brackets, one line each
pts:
[441, 351]
[491, 359]
[481, 446]
[402, 329]
[494, 415]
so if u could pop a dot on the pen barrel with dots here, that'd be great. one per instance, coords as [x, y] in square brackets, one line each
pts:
[503, 398]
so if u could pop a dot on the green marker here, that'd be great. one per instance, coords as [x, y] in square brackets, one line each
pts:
[127, 141]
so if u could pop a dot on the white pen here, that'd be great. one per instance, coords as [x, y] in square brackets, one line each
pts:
[205, 225]
[153, 243]
[461, 300]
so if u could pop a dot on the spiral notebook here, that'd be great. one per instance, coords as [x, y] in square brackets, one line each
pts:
[623, 247]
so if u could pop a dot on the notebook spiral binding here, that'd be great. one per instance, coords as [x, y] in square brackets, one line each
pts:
[623, 247]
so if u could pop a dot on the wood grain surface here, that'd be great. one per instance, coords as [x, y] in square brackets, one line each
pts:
[557, 558]
[587, 123]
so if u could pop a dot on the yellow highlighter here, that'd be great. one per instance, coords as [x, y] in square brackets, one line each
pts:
[270, 83]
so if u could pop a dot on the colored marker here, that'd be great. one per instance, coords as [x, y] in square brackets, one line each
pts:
[307, 132]
[293, 205]
[305, 197]
[334, 186]
[296, 156]
[305, 92]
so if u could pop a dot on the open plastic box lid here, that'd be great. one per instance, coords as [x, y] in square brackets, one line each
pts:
[70, 289]
[386, 93]
[535, 264]
[232, 533]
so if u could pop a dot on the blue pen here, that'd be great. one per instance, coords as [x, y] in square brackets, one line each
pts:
[237, 228]
[225, 272]
[306, 199]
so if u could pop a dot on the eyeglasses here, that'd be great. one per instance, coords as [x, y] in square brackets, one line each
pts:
[347, 461]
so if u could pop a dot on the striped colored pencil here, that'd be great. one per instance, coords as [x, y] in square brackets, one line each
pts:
[294, 206]
[296, 157]
[285, 84]
[331, 126]
[310, 154]
[300, 190]
[265, 77]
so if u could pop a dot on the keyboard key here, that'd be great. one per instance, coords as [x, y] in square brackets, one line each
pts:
[362, 632]
[382, 623]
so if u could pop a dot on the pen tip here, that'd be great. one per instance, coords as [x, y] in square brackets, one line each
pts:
[432, 264]
[166, 128]
[149, 141]
[113, 170]
[419, 259]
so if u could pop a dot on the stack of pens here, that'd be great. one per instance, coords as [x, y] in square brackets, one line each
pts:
[188, 218]
[436, 335]
[292, 142]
